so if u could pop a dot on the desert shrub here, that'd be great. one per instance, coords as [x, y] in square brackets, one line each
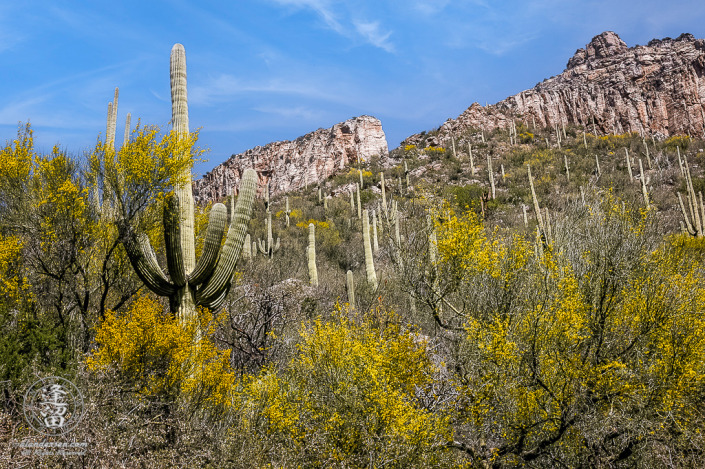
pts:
[466, 196]
[677, 141]
[349, 397]
[162, 357]
[575, 352]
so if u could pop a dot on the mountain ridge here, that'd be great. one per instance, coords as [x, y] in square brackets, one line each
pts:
[292, 164]
[607, 87]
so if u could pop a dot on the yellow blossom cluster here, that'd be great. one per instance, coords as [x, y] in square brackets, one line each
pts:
[163, 355]
[350, 390]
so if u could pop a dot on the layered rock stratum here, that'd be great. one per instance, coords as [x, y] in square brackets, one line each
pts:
[656, 89]
[308, 160]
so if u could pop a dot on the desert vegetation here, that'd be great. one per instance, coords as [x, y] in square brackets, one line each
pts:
[522, 297]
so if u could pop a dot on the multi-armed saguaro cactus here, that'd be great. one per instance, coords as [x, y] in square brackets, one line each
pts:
[190, 284]
[268, 247]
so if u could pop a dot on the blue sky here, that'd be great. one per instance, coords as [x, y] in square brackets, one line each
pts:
[260, 71]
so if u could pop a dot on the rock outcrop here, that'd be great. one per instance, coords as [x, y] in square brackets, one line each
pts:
[290, 165]
[657, 89]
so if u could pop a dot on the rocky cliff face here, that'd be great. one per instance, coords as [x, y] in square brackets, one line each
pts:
[290, 165]
[608, 87]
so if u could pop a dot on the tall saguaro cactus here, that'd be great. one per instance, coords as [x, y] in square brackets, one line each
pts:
[312, 269]
[112, 121]
[179, 120]
[268, 247]
[209, 282]
[350, 287]
[695, 223]
[537, 208]
[287, 212]
[369, 260]
[191, 284]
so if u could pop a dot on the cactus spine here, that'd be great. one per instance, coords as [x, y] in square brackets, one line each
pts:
[208, 282]
[312, 270]
[369, 261]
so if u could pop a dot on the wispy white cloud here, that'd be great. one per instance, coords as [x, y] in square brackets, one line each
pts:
[429, 7]
[226, 87]
[373, 34]
[159, 96]
[296, 112]
[324, 8]
[346, 20]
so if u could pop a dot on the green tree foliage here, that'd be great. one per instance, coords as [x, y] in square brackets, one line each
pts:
[58, 235]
